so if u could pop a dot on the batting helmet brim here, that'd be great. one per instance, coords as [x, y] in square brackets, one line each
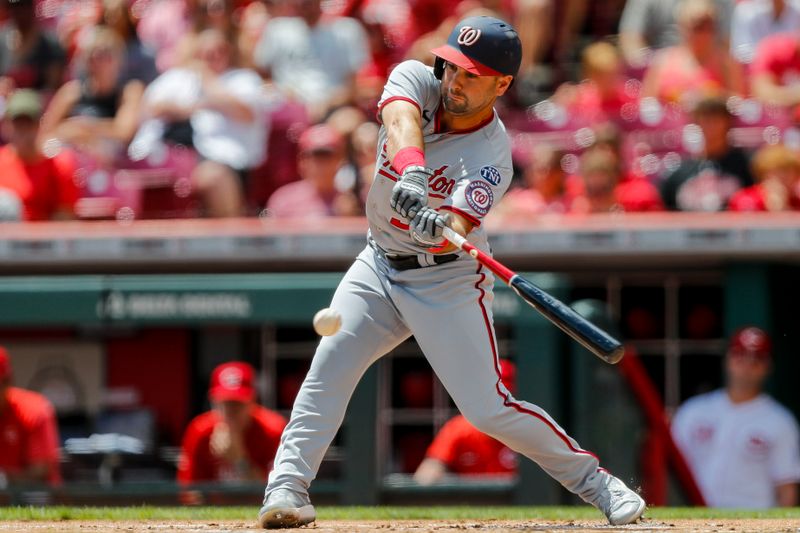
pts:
[456, 57]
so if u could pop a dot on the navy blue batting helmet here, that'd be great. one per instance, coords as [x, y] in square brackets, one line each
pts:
[485, 46]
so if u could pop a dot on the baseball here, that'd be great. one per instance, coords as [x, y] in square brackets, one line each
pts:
[327, 321]
[473, 253]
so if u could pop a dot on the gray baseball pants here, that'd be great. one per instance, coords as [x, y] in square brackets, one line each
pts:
[448, 309]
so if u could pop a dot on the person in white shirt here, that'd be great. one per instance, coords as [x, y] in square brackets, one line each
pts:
[214, 108]
[756, 19]
[313, 56]
[742, 446]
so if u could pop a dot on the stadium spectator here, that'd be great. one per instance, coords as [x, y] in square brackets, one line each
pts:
[602, 93]
[544, 189]
[28, 433]
[698, 65]
[29, 56]
[252, 19]
[776, 69]
[707, 181]
[42, 184]
[536, 24]
[650, 25]
[140, 63]
[459, 448]
[207, 15]
[755, 20]
[316, 194]
[214, 108]
[605, 189]
[162, 26]
[777, 172]
[237, 439]
[99, 112]
[384, 53]
[741, 445]
[365, 146]
[313, 56]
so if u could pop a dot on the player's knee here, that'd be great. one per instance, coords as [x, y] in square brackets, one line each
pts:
[485, 419]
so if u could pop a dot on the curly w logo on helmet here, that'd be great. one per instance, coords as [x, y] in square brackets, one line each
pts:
[468, 35]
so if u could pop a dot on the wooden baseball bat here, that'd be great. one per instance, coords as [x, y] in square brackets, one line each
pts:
[589, 335]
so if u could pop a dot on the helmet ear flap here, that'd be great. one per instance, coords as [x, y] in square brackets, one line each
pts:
[438, 68]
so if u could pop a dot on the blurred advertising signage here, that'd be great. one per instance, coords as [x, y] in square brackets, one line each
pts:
[174, 305]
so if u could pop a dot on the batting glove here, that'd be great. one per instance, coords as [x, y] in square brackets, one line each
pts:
[426, 226]
[410, 193]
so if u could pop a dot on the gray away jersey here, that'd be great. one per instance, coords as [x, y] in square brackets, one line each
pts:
[472, 168]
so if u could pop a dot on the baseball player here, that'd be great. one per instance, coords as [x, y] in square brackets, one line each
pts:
[444, 158]
[741, 445]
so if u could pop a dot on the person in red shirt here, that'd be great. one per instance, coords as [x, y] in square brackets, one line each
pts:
[320, 158]
[606, 190]
[699, 65]
[43, 185]
[237, 439]
[775, 71]
[459, 448]
[777, 171]
[544, 188]
[603, 92]
[28, 433]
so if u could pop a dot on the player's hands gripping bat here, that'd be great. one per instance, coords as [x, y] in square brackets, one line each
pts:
[590, 336]
[410, 193]
[427, 225]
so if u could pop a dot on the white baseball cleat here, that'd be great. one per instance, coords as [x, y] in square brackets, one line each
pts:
[620, 504]
[286, 508]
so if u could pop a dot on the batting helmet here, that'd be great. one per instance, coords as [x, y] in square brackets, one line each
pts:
[485, 46]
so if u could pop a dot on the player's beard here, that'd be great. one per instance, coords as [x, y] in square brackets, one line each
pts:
[455, 106]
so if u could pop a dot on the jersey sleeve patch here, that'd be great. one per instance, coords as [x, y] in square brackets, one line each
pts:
[480, 197]
[491, 174]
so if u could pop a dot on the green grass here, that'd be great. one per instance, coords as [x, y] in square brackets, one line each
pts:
[247, 514]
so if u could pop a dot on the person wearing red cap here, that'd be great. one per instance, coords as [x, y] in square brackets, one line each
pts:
[459, 448]
[237, 439]
[28, 433]
[321, 154]
[741, 445]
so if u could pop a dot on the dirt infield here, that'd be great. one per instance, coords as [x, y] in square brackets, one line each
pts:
[408, 526]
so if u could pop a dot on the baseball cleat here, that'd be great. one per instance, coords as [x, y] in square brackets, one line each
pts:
[620, 504]
[286, 508]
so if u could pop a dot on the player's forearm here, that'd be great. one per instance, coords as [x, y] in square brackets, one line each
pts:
[430, 471]
[403, 128]
[461, 226]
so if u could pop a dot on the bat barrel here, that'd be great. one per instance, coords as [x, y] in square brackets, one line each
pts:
[582, 330]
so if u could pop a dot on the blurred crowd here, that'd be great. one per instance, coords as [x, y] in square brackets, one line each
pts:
[131, 109]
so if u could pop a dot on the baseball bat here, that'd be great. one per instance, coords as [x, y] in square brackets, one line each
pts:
[587, 334]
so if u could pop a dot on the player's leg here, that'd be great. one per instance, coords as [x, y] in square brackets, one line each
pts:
[457, 337]
[371, 327]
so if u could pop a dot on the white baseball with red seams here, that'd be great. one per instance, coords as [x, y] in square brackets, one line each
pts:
[447, 307]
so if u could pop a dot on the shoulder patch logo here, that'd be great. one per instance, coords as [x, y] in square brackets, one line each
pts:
[491, 174]
[479, 197]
